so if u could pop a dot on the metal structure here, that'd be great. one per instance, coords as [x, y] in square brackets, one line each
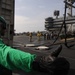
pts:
[7, 12]
[70, 27]
[56, 23]
[49, 23]
[69, 20]
[62, 23]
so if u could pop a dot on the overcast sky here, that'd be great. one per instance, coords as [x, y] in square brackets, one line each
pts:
[30, 14]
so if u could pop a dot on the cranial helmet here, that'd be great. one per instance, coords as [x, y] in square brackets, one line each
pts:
[2, 22]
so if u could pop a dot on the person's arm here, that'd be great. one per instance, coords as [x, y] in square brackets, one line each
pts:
[16, 59]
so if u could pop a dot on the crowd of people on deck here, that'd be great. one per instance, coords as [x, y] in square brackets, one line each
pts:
[50, 36]
[46, 36]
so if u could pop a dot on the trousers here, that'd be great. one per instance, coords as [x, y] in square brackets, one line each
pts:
[5, 71]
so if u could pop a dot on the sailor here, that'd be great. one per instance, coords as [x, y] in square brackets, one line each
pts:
[39, 35]
[13, 59]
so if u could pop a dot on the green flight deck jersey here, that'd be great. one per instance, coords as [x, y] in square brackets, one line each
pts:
[15, 59]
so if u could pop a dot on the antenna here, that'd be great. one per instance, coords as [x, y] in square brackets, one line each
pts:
[56, 13]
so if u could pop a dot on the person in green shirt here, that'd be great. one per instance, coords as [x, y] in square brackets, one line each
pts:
[12, 59]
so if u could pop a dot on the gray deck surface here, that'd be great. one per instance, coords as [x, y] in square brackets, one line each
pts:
[68, 53]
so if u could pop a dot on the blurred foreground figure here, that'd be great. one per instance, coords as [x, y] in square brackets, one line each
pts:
[12, 59]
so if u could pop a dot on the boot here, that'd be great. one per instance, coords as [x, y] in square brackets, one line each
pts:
[50, 64]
